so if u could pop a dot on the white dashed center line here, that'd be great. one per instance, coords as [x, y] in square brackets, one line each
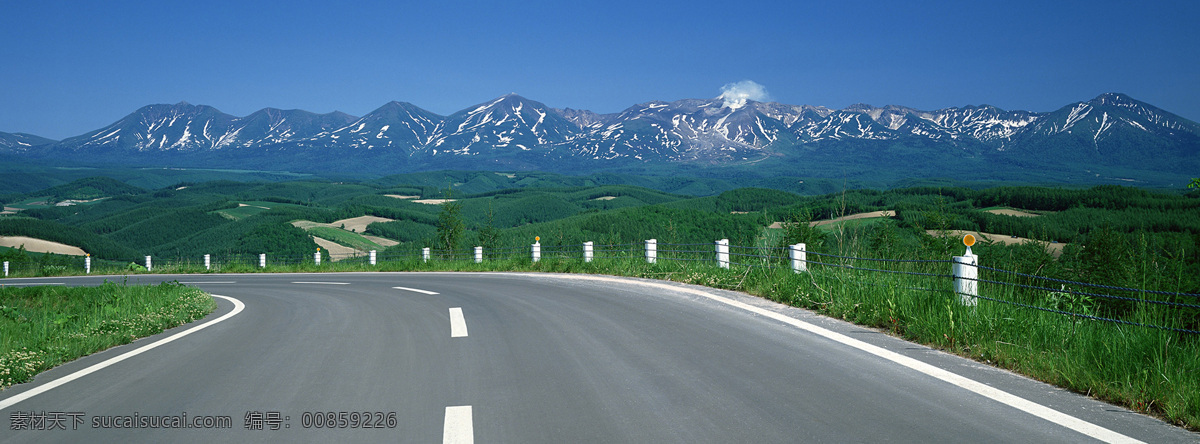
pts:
[458, 324]
[458, 428]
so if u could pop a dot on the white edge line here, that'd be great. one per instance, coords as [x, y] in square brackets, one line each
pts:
[24, 284]
[417, 290]
[323, 283]
[979, 388]
[458, 324]
[458, 428]
[238, 306]
[208, 282]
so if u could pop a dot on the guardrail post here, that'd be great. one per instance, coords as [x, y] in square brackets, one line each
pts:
[207, 262]
[723, 253]
[651, 251]
[317, 258]
[535, 251]
[262, 260]
[372, 258]
[5, 268]
[87, 264]
[799, 256]
[588, 252]
[479, 255]
[425, 254]
[966, 273]
[148, 264]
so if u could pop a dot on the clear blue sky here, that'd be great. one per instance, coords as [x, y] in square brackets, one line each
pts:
[73, 67]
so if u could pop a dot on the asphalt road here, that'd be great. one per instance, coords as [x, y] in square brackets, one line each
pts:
[535, 358]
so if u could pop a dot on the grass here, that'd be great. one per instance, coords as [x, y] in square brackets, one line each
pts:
[1144, 369]
[42, 327]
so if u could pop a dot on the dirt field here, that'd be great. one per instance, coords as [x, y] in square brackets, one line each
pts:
[336, 251]
[398, 196]
[817, 223]
[605, 198]
[381, 241]
[40, 246]
[1054, 248]
[1012, 212]
[433, 201]
[358, 224]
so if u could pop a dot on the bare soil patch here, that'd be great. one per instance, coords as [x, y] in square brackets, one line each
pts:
[383, 242]
[433, 201]
[605, 198]
[336, 251]
[401, 196]
[40, 246]
[1054, 248]
[1012, 212]
[358, 224]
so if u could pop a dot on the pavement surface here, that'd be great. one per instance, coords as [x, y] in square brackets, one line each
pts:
[532, 358]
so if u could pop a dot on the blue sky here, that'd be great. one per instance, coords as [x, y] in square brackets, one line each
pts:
[73, 67]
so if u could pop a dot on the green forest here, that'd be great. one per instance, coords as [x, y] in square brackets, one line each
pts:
[1107, 232]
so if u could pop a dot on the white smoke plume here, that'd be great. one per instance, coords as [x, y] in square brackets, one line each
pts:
[736, 94]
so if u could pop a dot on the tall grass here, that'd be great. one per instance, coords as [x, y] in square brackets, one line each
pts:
[42, 327]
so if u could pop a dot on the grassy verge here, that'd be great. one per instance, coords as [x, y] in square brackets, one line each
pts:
[42, 327]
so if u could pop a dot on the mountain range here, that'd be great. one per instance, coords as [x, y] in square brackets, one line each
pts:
[1111, 137]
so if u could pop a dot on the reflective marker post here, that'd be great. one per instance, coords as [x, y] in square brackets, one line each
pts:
[966, 274]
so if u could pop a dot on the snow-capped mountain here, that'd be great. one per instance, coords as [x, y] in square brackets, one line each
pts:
[184, 127]
[20, 142]
[507, 124]
[1111, 129]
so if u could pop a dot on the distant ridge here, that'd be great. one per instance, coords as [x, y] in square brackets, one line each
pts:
[1110, 135]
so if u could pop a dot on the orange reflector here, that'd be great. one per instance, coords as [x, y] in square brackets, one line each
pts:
[968, 240]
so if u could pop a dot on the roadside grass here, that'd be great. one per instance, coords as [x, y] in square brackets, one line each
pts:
[42, 327]
[1143, 369]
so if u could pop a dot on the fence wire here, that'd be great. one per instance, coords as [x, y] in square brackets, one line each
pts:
[1020, 294]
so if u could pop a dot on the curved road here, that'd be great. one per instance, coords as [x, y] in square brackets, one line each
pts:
[535, 358]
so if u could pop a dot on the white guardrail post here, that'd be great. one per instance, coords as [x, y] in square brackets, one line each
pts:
[5, 268]
[317, 258]
[966, 272]
[799, 256]
[535, 251]
[87, 265]
[651, 251]
[148, 264]
[723, 253]
[588, 252]
[425, 254]
[208, 262]
[372, 258]
[262, 260]
[479, 255]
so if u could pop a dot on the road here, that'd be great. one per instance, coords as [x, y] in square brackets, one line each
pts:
[538, 358]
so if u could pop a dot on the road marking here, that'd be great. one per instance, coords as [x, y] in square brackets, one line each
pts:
[979, 388]
[417, 290]
[4, 284]
[457, 429]
[458, 324]
[238, 306]
[208, 282]
[323, 283]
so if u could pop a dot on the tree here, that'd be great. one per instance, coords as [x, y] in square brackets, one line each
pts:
[1195, 183]
[450, 225]
[489, 235]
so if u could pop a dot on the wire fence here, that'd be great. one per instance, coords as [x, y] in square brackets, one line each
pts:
[1165, 310]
